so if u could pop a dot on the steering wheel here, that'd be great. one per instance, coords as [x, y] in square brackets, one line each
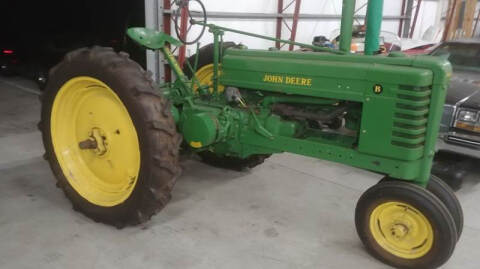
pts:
[192, 8]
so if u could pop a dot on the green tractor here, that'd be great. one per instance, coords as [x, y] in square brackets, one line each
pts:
[113, 136]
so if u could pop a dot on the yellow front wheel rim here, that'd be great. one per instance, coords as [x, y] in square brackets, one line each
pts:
[95, 141]
[401, 230]
[205, 77]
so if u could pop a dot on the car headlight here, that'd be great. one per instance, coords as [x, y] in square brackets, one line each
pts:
[468, 116]
[468, 120]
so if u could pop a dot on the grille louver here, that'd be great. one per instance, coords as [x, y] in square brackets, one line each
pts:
[411, 116]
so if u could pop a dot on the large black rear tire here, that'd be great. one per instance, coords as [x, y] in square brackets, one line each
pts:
[158, 140]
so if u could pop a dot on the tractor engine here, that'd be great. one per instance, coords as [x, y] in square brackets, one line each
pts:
[285, 115]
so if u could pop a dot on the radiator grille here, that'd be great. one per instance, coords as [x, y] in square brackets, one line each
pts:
[411, 116]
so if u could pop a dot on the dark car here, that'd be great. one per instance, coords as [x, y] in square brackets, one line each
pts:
[459, 140]
[8, 58]
[461, 120]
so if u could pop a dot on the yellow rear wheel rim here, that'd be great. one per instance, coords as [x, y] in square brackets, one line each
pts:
[401, 230]
[205, 77]
[86, 110]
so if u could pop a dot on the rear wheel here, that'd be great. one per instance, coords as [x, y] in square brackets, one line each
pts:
[109, 137]
[204, 75]
[405, 225]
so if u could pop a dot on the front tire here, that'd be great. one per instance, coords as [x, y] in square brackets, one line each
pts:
[445, 193]
[109, 137]
[405, 225]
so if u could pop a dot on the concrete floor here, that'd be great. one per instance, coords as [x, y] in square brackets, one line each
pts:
[291, 212]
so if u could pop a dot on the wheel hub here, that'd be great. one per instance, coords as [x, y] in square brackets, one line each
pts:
[399, 231]
[97, 141]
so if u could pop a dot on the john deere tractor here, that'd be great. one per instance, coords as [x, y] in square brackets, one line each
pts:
[113, 136]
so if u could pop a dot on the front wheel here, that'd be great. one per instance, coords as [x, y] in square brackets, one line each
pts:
[109, 137]
[405, 225]
[443, 192]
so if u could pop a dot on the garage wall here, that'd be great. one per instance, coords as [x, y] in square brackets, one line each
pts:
[429, 23]
[307, 28]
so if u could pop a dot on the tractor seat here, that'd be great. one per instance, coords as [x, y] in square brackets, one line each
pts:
[151, 39]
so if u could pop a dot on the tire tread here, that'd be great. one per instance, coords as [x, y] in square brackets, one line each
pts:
[159, 130]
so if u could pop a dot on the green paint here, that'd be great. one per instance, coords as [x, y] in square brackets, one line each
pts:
[391, 106]
[374, 25]
[199, 129]
[175, 114]
[216, 58]
[348, 11]
[173, 63]
[151, 39]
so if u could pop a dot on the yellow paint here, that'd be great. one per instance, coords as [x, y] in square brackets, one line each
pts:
[273, 79]
[97, 135]
[287, 80]
[401, 230]
[378, 89]
[86, 108]
[205, 77]
[196, 145]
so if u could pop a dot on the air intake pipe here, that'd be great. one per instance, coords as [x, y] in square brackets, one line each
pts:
[373, 21]
[374, 24]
